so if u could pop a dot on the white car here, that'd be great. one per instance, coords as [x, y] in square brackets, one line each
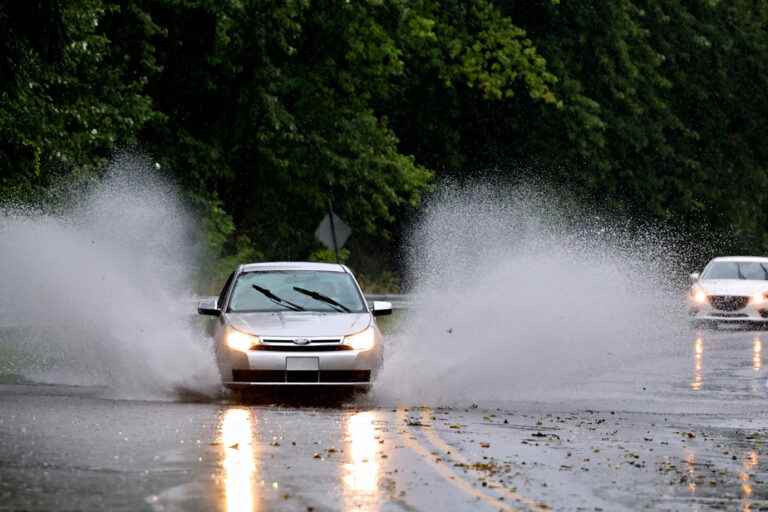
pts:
[731, 289]
[297, 324]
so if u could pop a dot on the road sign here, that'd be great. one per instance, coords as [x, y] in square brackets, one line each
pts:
[324, 231]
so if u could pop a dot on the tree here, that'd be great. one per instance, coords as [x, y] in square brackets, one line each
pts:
[279, 107]
[67, 99]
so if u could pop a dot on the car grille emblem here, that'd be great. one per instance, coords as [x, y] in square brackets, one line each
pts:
[301, 341]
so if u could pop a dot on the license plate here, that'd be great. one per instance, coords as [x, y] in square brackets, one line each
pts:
[302, 363]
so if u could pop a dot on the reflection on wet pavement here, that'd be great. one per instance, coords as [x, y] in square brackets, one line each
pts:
[361, 473]
[698, 372]
[717, 368]
[707, 480]
[677, 445]
[749, 464]
[237, 434]
[690, 460]
[757, 353]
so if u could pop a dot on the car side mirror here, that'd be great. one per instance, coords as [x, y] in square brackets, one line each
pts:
[381, 308]
[208, 306]
[694, 277]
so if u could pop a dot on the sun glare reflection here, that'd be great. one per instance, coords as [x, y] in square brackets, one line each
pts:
[237, 431]
[361, 473]
[698, 365]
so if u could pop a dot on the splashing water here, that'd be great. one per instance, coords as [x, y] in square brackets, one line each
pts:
[101, 293]
[522, 294]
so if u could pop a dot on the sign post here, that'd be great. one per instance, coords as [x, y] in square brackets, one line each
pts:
[333, 232]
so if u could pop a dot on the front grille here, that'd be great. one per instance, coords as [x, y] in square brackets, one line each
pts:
[258, 375]
[730, 315]
[290, 341]
[344, 376]
[301, 348]
[728, 302]
[301, 376]
[309, 345]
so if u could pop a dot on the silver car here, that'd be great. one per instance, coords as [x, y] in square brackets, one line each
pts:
[298, 324]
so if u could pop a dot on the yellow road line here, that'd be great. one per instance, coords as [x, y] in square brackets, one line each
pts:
[452, 453]
[446, 472]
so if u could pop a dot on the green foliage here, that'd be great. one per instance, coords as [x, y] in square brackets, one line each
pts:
[224, 247]
[384, 281]
[68, 100]
[267, 110]
[329, 256]
[301, 94]
[665, 120]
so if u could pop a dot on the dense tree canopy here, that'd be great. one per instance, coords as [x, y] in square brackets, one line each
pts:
[267, 110]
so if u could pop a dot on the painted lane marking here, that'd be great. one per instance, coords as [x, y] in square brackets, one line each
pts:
[453, 454]
[446, 472]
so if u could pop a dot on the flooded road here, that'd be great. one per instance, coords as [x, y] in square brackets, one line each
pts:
[684, 430]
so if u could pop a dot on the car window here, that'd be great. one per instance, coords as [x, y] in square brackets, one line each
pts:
[338, 286]
[223, 294]
[746, 270]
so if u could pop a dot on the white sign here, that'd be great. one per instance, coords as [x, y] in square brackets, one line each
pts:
[324, 234]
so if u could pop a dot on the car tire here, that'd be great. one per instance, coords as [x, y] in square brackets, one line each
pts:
[361, 391]
[252, 396]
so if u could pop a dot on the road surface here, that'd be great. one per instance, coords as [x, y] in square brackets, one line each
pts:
[688, 431]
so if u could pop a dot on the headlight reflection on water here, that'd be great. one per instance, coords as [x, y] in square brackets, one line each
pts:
[698, 364]
[757, 353]
[749, 464]
[237, 431]
[361, 473]
[698, 360]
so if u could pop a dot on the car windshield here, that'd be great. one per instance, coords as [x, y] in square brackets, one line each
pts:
[285, 290]
[748, 270]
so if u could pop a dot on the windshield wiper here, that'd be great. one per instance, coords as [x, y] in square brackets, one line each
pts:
[277, 300]
[323, 298]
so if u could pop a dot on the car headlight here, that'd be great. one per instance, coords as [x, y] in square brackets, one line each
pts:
[237, 340]
[363, 340]
[759, 298]
[698, 295]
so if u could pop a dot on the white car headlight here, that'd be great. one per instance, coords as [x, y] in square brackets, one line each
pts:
[759, 298]
[237, 340]
[363, 340]
[699, 295]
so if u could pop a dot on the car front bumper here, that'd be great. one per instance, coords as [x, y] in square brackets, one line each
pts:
[271, 368]
[748, 314]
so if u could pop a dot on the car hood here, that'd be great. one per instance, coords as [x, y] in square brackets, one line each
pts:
[733, 286]
[299, 324]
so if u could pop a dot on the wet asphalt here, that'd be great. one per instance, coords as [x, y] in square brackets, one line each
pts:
[684, 430]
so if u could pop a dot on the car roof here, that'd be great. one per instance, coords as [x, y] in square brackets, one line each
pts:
[293, 265]
[742, 258]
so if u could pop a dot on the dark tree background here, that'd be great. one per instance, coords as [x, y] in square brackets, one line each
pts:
[264, 110]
